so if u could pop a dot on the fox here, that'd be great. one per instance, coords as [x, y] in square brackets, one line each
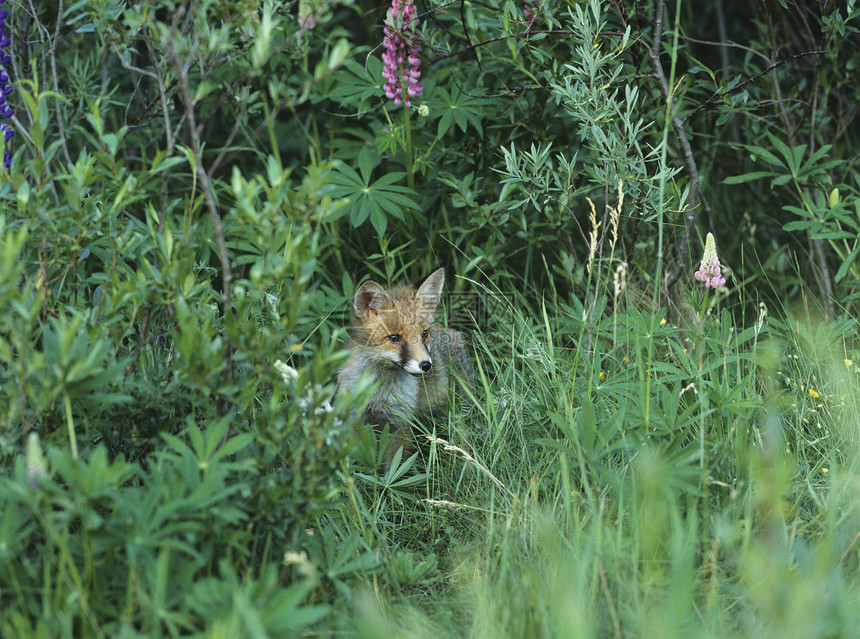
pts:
[417, 365]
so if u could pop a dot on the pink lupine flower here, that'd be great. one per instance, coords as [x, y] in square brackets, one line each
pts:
[401, 53]
[709, 269]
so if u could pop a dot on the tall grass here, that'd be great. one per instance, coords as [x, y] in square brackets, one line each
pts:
[177, 461]
[691, 480]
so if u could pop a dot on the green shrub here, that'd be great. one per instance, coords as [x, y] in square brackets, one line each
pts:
[195, 191]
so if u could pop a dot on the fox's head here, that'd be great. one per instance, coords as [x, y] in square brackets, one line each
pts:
[392, 326]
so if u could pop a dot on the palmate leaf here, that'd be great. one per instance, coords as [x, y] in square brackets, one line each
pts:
[375, 201]
[458, 109]
[355, 84]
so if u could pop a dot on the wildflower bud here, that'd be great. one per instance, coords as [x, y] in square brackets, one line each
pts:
[423, 110]
[306, 15]
[37, 470]
[288, 373]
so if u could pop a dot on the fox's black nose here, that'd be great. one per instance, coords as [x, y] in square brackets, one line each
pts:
[425, 365]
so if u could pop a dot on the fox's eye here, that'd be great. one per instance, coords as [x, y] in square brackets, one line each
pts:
[394, 338]
[424, 334]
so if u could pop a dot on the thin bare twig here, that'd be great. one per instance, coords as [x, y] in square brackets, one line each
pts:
[431, 13]
[202, 176]
[227, 147]
[719, 94]
[726, 44]
[525, 33]
[53, 58]
[497, 95]
[42, 31]
[171, 139]
[818, 243]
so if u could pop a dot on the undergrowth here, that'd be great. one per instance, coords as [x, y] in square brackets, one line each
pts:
[651, 445]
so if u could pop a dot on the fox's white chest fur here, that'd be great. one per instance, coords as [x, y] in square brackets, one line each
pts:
[395, 399]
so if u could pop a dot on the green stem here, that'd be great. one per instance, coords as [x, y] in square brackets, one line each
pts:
[270, 128]
[71, 424]
[704, 304]
[410, 178]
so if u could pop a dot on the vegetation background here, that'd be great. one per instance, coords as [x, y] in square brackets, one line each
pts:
[196, 188]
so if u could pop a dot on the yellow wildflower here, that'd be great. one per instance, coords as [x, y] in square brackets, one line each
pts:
[813, 393]
[825, 470]
[847, 363]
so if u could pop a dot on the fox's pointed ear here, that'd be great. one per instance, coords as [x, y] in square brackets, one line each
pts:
[430, 290]
[369, 298]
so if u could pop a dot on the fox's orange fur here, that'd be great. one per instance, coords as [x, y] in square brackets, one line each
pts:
[415, 363]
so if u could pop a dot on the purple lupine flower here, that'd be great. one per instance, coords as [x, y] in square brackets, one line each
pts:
[6, 111]
[401, 53]
[709, 269]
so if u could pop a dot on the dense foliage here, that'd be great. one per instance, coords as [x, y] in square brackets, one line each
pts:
[193, 192]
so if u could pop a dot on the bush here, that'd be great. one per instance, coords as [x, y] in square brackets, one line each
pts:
[196, 189]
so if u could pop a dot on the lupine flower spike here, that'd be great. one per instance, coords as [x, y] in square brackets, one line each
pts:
[709, 269]
[5, 88]
[401, 53]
